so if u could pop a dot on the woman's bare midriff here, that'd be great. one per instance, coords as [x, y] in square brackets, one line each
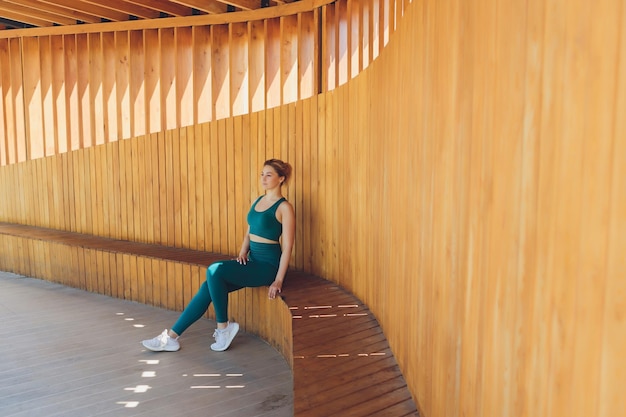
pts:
[259, 239]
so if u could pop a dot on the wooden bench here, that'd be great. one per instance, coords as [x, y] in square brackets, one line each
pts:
[341, 361]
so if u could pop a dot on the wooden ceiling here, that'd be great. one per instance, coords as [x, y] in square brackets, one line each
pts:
[41, 13]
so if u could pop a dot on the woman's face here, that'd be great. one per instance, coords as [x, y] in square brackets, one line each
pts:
[270, 178]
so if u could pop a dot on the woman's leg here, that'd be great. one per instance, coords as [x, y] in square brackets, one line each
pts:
[168, 341]
[222, 276]
[196, 308]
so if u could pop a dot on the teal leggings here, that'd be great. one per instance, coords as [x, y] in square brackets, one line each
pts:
[227, 276]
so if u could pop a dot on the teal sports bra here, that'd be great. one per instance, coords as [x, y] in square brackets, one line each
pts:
[264, 223]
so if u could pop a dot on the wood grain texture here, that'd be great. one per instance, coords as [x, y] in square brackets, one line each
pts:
[468, 181]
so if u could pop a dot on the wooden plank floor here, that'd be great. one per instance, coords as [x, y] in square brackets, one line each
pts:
[67, 352]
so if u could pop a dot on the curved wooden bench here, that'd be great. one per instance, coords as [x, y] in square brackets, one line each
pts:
[341, 361]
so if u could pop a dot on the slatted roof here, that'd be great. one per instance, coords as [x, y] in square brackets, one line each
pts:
[43, 13]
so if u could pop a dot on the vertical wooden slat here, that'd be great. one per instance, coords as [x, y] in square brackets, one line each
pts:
[200, 182]
[312, 228]
[85, 115]
[168, 66]
[143, 73]
[611, 401]
[353, 41]
[149, 118]
[176, 205]
[146, 189]
[123, 219]
[71, 91]
[169, 285]
[213, 227]
[172, 210]
[155, 276]
[248, 175]
[154, 195]
[79, 271]
[60, 105]
[10, 156]
[209, 179]
[81, 190]
[110, 98]
[289, 59]
[162, 188]
[124, 276]
[88, 166]
[341, 39]
[220, 71]
[144, 280]
[308, 71]
[33, 116]
[96, 82]
[131, 270]
[256, 65]
[110, 183]
[298, 190]
[329, 49]
[376, 27]
[3, 124]
[101, 208]
[239, 68]
[122, 85]
[192, 184]
[203, 92]
[17, 99]
[222, 188]
[239, 189]
[67, 195]
[272, 63]
[184, 77]
[230, 184]
[54, 193]
[49, 136]
[187, 284]
[136, 200]
[598, 174]
[106, 273]
[365, 35]
[254, 154]
[185, 201]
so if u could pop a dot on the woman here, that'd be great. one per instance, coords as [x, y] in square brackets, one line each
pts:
[263, 260]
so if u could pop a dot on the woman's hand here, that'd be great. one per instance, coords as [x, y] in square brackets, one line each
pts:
[275, 289]
[242, 259]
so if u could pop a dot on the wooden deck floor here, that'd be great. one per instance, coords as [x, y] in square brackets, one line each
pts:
[67, 352]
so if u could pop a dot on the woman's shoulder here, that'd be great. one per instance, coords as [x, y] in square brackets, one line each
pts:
[285, 205]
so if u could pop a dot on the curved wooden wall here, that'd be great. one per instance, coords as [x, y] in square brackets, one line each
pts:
[468, 185]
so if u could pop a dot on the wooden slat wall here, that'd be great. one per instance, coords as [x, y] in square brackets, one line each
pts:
[498, 215]
[468, 185]
[65, 91]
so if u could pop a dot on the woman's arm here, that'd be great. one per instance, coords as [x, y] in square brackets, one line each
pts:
[242, 258]
[288, 219]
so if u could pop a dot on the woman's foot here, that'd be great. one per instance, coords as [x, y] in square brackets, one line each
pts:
[162, 342]
[223, 337]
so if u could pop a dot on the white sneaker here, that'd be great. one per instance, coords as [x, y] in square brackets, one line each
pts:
[223, 338]
[162, 342]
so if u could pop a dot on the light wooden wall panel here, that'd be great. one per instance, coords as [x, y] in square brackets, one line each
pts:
[67, 90]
